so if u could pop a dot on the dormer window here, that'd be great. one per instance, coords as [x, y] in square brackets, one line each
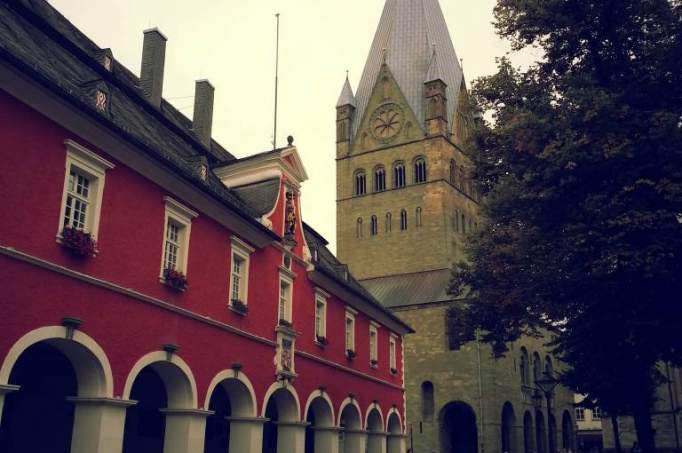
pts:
[101, 100]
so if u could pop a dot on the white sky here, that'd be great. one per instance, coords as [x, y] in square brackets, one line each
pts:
[232, 43]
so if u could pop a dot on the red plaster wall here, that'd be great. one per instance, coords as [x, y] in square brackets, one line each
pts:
[130, 249]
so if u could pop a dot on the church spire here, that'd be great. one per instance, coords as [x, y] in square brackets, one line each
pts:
[345, 113]
[347, 97]
[405, 39]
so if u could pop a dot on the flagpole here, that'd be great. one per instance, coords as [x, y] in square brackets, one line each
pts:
[274, 134]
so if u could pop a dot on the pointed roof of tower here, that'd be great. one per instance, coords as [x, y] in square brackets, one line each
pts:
[407, 33]
[346, 96]
[435, 72]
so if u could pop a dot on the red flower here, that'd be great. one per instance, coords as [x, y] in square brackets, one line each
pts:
[78, 242]
[175, 279]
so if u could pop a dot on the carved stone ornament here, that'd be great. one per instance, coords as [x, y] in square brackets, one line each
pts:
[290, 219]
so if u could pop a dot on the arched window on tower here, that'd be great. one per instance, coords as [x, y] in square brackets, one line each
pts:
[374, 227]
[537, 367]
[398, 175]
[419, 170]
[379, 179]
[464, 224]
[403, 220]
[360, 182]
[524, 367]
[388, 225]
[460, 183]
[428, 404]
[358, 228]
[418, 217]
[549, 368]
[453, 171]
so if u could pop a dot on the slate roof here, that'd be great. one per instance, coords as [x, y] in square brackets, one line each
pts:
[410, 289]
[261, 196]
[407, 33]
[328, 264]
[38, 40]
[346, 97]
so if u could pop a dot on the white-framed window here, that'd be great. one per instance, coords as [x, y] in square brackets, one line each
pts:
[83, 189]
[596, 414]
[239, 271]
[350, 331]
[580, 414]
[286, 285]
[176, 234]
[373, 345]
[392, 354]
[320, 315]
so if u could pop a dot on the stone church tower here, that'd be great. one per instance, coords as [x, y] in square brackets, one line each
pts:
[405, 208]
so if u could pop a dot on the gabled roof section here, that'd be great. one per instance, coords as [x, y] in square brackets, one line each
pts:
[325, 262]
[276, 163]
[419, 288]
[347, 97]
[407, 33]
[260, 196]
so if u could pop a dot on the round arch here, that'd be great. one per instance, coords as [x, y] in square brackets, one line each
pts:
[528, 433]
[233, 381]
[176, 375]
[508, 428]
[287, 415]
[90, 363]
[320, 396]
[349, 403]
[373, 409]
[458, 428]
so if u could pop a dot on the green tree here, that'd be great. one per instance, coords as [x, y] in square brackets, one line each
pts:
[581, 168]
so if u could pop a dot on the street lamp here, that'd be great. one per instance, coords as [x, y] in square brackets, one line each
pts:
[547, 384]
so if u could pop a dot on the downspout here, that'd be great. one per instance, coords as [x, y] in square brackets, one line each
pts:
[480, 395]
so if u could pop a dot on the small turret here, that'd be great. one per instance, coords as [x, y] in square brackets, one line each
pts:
[436, 104]
[345, 112]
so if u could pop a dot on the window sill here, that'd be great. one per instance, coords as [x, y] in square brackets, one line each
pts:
[240, 312]
[320, 344]
[59, 239]
[165, 283]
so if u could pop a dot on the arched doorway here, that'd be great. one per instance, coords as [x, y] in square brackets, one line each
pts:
[350, 421]
[540, 433]
[320, 435]
[281, 410]
[231, 401]
[50, 372]
[376, 437]
[395, 440]
[551, 433]
[528, 433]
[567, 432]
[458, 432]
[163, 391]
[508, 429]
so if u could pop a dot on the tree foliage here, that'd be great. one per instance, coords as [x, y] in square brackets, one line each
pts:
[581, 168]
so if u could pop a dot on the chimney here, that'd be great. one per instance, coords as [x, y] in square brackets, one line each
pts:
[203, 111]
[153, 58]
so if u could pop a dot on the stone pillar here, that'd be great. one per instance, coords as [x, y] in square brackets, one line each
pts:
[246, 434]
[98, 424]
[4, 390]
[396, 443]
[326, 439]
[291, 437]
[354, 441]
[376, 442]
[185, 430]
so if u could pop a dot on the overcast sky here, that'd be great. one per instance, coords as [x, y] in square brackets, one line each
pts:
[232, 43]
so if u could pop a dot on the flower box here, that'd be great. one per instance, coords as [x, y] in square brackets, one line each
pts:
[285, 323]
[374, 362]
[322, 340]
[78, 242]
[175, 279]
[350, 354]
[239, 306]
[394, 371]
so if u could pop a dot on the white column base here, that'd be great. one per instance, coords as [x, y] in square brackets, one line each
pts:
[326, 439]
[291, 437]
[376, 442]
[354, 441]
[396, 443]
[4, 390]
[98, 424]
[246, 434]
[185, 430]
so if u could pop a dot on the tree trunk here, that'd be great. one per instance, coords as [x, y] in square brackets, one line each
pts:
[645, 433]
[616, 433]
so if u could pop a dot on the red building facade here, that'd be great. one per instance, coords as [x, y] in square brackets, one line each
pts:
[159, 294]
